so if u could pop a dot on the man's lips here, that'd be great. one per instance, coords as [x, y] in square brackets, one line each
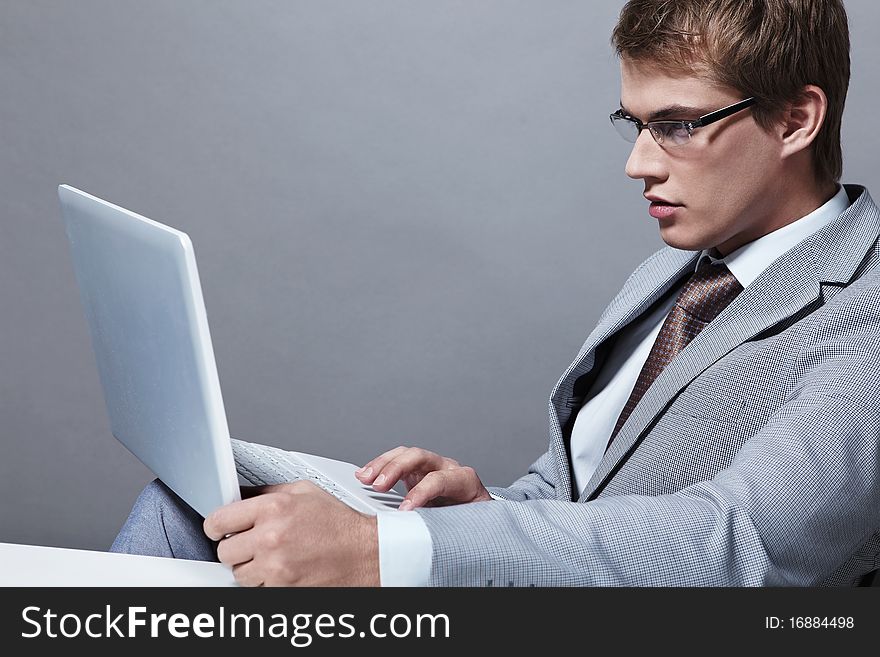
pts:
[662, 209]
[661, 201]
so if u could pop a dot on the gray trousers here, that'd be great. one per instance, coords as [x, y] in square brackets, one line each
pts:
[163, 525]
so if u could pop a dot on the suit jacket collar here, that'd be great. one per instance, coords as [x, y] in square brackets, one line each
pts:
[839, 247]
[789, 285]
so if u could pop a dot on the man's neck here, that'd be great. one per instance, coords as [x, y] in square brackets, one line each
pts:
[799, 201]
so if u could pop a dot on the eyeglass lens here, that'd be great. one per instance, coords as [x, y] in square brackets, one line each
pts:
[672, 132]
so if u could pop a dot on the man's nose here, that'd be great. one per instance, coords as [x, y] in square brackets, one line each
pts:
[646, 158]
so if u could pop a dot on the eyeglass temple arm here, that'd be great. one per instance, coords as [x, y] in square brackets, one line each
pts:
[724, 112]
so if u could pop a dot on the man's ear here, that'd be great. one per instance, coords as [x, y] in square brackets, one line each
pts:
[803, 119]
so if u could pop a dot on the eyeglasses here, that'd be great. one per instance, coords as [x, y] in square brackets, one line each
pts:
[675, 133]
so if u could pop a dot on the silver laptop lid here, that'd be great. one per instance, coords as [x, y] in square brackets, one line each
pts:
[143, 301]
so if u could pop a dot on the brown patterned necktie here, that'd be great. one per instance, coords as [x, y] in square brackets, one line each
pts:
[703, 296]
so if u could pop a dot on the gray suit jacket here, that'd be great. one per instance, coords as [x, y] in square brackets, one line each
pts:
[753, 459]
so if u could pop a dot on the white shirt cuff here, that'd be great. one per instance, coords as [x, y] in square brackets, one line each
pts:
[405, 548]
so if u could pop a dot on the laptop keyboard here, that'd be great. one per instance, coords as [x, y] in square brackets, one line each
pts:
[263, 465]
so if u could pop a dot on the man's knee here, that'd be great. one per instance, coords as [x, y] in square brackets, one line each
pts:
[154, 496]
[161, 524]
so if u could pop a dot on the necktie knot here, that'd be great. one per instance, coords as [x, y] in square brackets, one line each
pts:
[700, 300]
[708, 291]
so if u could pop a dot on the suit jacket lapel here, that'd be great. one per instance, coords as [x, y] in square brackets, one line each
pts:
[647, 284]
[790, 284]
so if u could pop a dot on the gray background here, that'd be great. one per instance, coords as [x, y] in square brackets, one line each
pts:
[407, 215]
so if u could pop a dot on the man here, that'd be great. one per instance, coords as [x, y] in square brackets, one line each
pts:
[720, 425]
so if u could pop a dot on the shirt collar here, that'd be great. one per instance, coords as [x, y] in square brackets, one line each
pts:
[750, 260]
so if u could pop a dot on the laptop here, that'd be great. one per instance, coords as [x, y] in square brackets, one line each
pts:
[142, 298]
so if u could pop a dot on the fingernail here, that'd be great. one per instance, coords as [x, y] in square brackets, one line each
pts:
[379, 480]
[367, 472]
[406, 505]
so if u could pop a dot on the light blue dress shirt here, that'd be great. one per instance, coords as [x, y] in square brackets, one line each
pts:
[404, 541]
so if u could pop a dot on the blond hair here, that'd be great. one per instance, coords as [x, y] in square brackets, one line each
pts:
[769, 49]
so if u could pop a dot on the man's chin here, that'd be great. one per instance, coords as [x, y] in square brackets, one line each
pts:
[685, 242]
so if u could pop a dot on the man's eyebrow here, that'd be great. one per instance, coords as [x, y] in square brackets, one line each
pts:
[678, 111]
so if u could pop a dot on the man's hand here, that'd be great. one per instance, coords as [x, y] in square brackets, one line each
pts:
[295, 535]
[431, 479]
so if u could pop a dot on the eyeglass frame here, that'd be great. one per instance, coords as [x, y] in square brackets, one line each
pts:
[689, 126]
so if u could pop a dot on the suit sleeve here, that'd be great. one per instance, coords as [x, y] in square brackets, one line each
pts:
[535, 485]
[798, 499]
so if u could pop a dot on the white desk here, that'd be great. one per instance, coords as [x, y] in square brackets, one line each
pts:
[35, 565]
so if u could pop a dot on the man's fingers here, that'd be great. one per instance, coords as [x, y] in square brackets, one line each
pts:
[236, 549]
[413, 463]
[238, 516]
[371, 469]
[454, 486]
[440, 483]
[247, 574]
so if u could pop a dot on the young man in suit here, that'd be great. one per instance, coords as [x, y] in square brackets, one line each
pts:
[720, 425]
